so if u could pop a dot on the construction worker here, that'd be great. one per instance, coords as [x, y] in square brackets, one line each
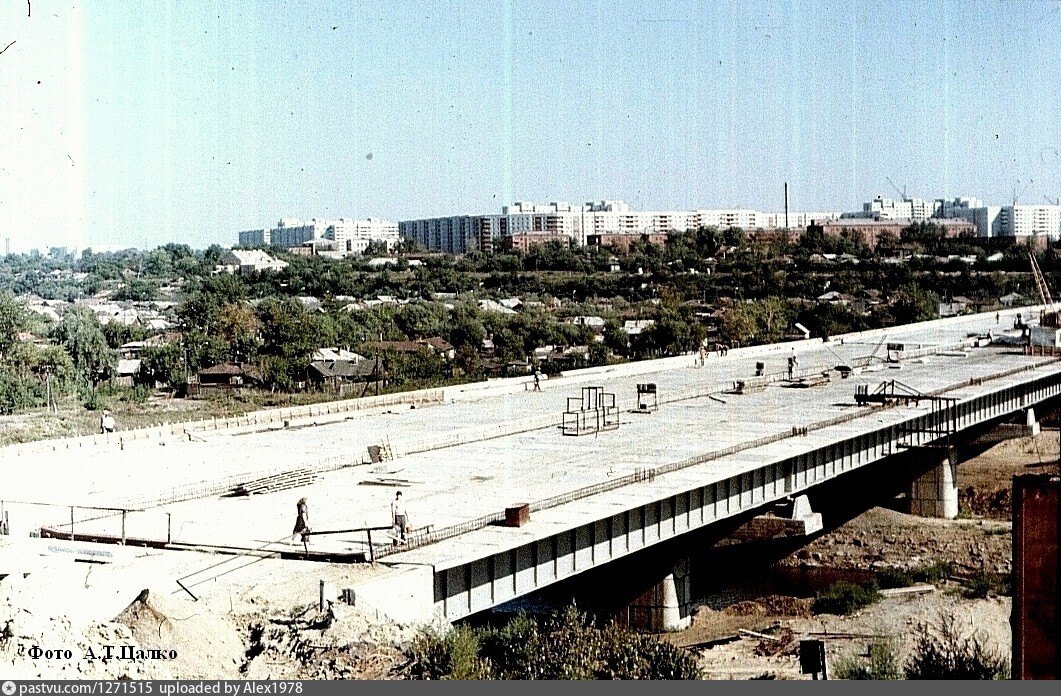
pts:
[301, 523]
[399, 518]
[106, 423]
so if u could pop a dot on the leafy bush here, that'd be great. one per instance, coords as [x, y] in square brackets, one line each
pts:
[888, 578]
[942, 652]
[933, 572]
[18, 391]
[983, 584]
[452, 656]
[565, 646]
[92, 399]
[845, 597]
[883, 664]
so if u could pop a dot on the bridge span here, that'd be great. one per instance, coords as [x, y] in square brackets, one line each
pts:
[601, 479]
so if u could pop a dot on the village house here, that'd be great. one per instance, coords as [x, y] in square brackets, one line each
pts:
[247, 261]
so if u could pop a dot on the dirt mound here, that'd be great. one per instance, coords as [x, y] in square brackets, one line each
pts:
[784, 643]
[772, 605]
[339, 643]
[28, 624]
[206, 645]
[997, 504]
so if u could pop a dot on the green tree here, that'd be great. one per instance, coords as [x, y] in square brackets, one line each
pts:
[914, 304]
[162, 364]
[80, 334]
[13, 319]
[755, 322]
[18, 391]
[566, 646]
[239, 327]
[421, 319]
[289, 335]
[118, 334]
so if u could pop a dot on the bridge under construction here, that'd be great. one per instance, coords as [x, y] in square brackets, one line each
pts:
[510, 489]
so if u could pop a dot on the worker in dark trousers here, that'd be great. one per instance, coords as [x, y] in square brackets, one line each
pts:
[399, 518]
[302, 523]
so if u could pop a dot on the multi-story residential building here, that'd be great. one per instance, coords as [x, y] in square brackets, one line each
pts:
[529, 223]
[291, 232]
[356, 235]
[346, 235]
[458, 234]
[1031, 221]
[796, 220]
[1020, 221]
[869, 230]
[954, 207]
[988, 219]
[915, 209]
[255, 238]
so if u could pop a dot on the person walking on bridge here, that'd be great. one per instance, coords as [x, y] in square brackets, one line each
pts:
[399, 518]
[302, 523]
[106, 423]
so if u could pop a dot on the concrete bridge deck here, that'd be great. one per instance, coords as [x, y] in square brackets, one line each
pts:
[461, 463]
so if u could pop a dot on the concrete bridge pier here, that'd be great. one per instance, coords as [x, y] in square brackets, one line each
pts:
[667, 605]
[934, 493]
[1031, 425]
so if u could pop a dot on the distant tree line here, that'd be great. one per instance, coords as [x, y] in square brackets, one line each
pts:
[726, 285]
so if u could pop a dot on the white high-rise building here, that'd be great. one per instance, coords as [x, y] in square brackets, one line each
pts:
[347, 234]
[1005, 221]
[796, 220]
[914, 209]
[576, 223]
[1031, 221]
[356, 235]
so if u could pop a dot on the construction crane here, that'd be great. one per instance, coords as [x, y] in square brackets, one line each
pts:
[901, 193]
[1049, 313]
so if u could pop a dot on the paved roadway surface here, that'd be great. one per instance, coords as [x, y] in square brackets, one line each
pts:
[451, 485]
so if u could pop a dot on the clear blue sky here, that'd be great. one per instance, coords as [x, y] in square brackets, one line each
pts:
[189, 121]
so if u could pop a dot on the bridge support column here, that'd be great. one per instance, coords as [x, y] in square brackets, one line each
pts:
[802, 521]
[667, 605]
[935, 492]
[1031, 425]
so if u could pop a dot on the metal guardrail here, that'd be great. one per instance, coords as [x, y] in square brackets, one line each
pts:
[252, 419]
[629, 479]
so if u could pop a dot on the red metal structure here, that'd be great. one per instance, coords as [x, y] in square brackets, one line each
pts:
[1036, 569]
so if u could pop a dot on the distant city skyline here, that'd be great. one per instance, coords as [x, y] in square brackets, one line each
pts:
[139, 124]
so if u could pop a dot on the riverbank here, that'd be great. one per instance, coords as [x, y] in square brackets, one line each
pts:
[966, 563]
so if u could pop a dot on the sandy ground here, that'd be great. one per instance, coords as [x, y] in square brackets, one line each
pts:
[894, 619]
[259, 621]
[882, 538]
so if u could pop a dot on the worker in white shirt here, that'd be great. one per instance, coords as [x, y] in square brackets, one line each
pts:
[106, 423]
[399, 517]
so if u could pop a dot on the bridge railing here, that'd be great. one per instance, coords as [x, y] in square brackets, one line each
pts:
[648, 474]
